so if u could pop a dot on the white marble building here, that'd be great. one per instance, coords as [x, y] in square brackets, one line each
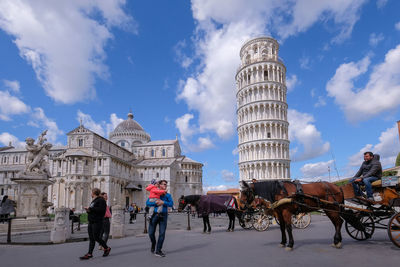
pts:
[262, 112]
[122, 166]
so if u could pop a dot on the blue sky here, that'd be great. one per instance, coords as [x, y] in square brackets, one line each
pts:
[174, 62]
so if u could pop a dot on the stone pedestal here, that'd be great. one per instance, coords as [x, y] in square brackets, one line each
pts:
[32, 194]
[61, 229]
[117, 222]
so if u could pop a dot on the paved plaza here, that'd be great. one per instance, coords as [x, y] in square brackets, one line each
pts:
[240, 248]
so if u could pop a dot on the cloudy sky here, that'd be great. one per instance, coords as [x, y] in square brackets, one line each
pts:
[174, 62]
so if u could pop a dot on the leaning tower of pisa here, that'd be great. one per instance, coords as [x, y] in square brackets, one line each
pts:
[262, 112]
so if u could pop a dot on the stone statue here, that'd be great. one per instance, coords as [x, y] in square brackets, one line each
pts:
[36, 162]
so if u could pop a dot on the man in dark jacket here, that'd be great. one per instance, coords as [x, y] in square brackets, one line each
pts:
[370, 171]
[96, 212]
[160, 219]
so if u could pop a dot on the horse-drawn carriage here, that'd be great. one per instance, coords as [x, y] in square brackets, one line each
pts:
[364, 216]
[361, 216]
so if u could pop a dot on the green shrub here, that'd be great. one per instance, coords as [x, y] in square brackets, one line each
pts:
[389, 173]
[398, 160]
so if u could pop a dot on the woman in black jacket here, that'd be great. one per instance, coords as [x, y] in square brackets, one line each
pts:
[96, 212]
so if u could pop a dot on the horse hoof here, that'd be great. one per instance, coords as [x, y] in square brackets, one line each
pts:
[338, 245]
[281, 245]
[288, 249]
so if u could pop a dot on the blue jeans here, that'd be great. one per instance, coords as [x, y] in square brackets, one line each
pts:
[162, 221]
[367, 182]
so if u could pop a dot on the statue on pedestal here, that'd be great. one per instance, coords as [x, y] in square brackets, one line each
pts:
[36, 162]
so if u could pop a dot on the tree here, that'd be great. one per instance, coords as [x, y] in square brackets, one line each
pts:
[398, 160]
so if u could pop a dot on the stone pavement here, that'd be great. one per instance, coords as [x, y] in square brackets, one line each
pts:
[243, 248]
[176, 221]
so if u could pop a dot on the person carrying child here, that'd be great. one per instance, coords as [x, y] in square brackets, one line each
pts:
[155, 194]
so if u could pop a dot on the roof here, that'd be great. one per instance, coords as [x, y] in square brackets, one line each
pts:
[133, 187]
[23, 149]
[128, 125]
[77, 153]
[189, 160]
[156, 162]
[159, 143]
[224, 192]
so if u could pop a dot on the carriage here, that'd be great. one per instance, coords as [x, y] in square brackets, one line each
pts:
[364, 216]
[361, 216]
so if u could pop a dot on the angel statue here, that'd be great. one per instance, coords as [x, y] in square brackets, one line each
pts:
[36, 153]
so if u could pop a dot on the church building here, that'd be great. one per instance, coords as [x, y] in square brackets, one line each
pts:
[122, 166]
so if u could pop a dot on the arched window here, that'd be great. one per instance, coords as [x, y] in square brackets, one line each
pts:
[152, 152]
[265, 75]
[158, 175]
[186, 179]
[163, 152]
[268, 135]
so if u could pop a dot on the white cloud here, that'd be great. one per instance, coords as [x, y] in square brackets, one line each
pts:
[228, 176]
[222, 27]
[39, 119]
[184, 127]
[12, 85]
[235, 151]
[114, 121]
[397, 26]
[374, 38]
[303, 131]
[181, 57]
[6, 138]
[292, 82]
[101, 128]
[383, 87]
[388, 148]
[317, 169]
[64, 42]
[11, 105]
[304, 63]
[321, 102]
[381, 3]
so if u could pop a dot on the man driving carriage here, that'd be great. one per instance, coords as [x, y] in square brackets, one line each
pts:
[369, 172]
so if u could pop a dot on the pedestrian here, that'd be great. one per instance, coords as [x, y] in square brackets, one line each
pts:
[136, 211]
[160, 219]
[131, 210]
[155, 193]
[105, 233]
[96, 212]
[6, 208]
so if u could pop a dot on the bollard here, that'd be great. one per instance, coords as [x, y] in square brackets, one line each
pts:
[188, 215]
[9, 231]
[60, 232]
[145, 223]
[118, 222]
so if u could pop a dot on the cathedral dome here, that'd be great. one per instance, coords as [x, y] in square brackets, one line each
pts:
[128, 125]
[129, 133]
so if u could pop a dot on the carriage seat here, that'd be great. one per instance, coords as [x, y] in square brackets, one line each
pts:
[386, 181]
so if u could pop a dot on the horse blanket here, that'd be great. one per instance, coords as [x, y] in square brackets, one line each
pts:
[215, 203]
[267, 189]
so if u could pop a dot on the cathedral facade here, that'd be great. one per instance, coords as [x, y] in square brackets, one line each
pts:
[122, 166]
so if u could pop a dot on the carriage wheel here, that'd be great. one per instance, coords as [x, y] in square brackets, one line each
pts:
[368, 222]
[301, 220]
[247, 221]
[261, 221]
[394, 229]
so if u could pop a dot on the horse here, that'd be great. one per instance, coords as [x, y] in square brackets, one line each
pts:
[206, 204]
[290, 198]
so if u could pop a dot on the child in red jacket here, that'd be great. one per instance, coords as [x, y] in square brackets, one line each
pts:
[155, 194]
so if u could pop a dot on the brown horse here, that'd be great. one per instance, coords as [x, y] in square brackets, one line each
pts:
[290, 198]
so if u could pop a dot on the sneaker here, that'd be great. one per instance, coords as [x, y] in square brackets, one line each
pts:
[153, 248]
[86, 256]
[107, 252]
[159, 254]
[101, 248]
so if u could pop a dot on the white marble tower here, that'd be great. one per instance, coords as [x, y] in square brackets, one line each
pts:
[262, 112]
